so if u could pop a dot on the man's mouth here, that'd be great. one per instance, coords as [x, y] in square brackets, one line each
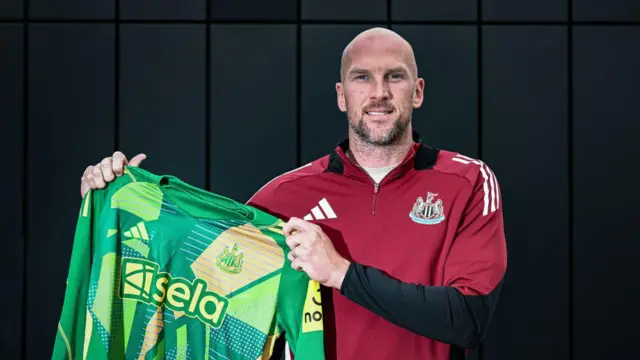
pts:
[378, 112]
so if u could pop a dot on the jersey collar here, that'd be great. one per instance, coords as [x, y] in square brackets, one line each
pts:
[419, 157]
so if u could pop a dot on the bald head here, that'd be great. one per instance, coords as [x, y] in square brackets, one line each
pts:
[379, 87]
[382, 39]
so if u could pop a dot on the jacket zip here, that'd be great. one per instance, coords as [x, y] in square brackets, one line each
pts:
[376, 187]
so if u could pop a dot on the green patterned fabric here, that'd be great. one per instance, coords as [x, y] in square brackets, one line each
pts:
[161, 269]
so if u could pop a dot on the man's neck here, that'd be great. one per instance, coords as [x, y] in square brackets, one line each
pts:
[375, 156]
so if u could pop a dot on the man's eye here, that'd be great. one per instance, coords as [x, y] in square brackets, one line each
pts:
[361, 77]
[395, 76]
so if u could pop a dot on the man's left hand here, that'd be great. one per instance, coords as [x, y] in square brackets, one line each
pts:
[313, 253]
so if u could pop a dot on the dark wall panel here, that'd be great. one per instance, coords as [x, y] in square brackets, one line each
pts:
[71, 125]
[525, 142]
[254, 9]
[231, 108]
[519, 10]
[72, 9]
[253, 106]
[163, 9]
[611, 10]
[11, 9]
[162, 98]
[420, 10]
[606, 247]
[344, 10]
[11, 188]
[322, 123]
[447, 60]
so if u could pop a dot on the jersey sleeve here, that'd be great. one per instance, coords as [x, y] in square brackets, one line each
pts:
[478, 257]
[70, 336]
[300, 316]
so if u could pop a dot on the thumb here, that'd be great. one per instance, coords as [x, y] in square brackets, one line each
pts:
[136, 160]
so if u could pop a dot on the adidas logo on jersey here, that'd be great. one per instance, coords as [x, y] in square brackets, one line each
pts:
[138, 231]
[321, 212]
[137, 238]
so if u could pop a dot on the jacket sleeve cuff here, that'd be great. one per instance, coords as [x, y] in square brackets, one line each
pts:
[349, 278]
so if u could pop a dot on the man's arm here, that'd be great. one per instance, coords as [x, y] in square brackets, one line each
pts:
[460, 311]
[441, 313]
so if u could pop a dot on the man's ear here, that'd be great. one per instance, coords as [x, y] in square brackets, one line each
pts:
[342, 103]
[418, 96]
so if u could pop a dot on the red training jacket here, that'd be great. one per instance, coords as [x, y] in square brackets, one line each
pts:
[427, 247]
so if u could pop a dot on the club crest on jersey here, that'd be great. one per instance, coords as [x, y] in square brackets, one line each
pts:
[230, 260]
[426, 211]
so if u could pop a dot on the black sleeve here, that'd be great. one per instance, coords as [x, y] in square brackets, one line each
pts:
[441, 313]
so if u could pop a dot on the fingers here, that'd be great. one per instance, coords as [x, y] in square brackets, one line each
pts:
[88, 177]
[98, 180]
[107, 170]
[84, 181]
[84, 187]
[118, 162]
[97, 177]
[296, 264]
[299, 253]
[296, 224]
[136, 160]
[293, 241]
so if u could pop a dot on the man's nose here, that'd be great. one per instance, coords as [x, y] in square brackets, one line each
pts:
[380, 90]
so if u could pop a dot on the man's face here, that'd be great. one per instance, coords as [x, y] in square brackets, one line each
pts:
[379, 92]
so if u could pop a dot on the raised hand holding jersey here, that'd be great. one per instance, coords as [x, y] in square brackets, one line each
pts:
[161, 269]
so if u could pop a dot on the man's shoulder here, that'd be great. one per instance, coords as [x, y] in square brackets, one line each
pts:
[312, 168]
[466, 167]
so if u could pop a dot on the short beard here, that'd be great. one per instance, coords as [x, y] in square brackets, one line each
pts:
[392, 136]
[364, 133]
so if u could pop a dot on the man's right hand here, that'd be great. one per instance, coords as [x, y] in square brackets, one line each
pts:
[97, 176]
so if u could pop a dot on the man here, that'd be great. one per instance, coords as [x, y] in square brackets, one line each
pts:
[409, 239]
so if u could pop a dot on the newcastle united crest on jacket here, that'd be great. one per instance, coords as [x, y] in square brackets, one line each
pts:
[427, 212]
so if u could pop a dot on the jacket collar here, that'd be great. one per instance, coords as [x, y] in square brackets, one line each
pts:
[419, 157]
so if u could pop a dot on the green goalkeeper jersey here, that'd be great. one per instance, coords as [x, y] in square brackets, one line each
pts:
[161, 269]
